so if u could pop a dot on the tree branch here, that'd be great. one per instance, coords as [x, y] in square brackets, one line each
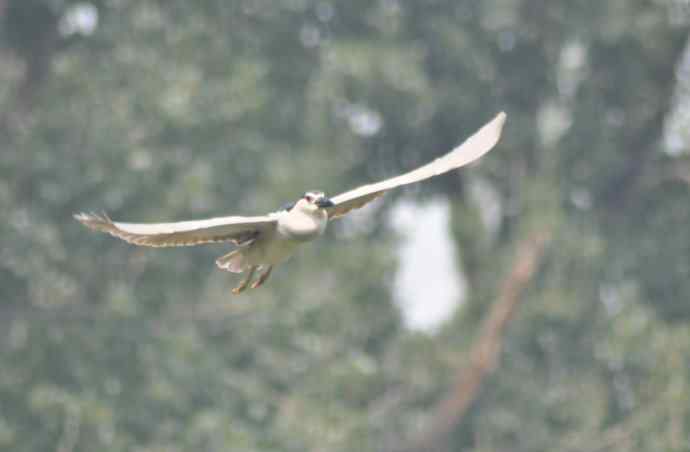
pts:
[486, 348]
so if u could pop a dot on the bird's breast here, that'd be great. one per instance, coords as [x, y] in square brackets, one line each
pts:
[302, 227]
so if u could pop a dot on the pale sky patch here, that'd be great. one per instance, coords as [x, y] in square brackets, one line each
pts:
[429, 285]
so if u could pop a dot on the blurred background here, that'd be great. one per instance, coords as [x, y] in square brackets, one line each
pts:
[536, 301]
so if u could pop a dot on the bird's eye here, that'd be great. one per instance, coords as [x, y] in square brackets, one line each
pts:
[309, 198]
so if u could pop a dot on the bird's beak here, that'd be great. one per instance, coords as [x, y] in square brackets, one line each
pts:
[324, 203]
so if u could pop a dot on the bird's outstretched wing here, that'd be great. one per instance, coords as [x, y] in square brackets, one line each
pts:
[183, 233]
[474, 147]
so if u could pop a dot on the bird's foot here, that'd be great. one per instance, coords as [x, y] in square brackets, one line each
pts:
[262, 279]
[245, 282]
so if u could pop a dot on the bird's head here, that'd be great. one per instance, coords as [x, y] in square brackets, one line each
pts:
[313, 201]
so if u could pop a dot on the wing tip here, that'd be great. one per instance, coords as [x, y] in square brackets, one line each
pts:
[493, 130]
[94, 221]
[500, 120]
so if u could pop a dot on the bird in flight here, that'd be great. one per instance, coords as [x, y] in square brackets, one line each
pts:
[261, 242]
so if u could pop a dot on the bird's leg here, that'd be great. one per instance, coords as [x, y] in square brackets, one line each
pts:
[262, 279]
[245, 282]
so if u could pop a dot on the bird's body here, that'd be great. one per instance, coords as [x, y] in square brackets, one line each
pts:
[301, 225]
[293, 228]
[265, 241]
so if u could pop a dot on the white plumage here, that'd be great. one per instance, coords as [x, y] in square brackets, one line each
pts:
[264, 241]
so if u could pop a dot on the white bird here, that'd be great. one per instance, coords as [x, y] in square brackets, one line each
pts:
[264, 241]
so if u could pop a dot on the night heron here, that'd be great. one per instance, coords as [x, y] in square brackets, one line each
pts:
[264, 241]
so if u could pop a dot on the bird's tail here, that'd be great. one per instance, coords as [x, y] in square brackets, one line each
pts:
[234, 261]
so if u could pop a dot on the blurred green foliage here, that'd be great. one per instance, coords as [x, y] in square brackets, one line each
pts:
[156, 110]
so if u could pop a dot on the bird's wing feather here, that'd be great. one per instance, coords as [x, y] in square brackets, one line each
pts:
[473, 148]
[183, 233]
